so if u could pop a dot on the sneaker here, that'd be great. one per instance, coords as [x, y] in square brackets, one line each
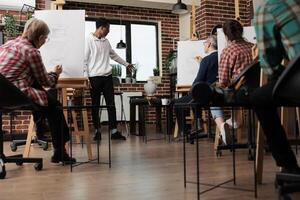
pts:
[225, 134]
[229, 122]
[65, 158]
[117, 136]
[97, 135]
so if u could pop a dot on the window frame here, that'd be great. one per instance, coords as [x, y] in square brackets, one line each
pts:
[128, 24]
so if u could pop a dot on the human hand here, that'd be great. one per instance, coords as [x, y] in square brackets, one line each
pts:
[198, 58]
[130, 67]
[58, 69]
[255, 52]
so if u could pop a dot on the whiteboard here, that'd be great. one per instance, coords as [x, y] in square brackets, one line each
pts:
[187, 65]
[249, 35]
[66, 44]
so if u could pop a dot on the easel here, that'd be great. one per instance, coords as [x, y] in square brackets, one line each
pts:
[65, 86]
[57, 5]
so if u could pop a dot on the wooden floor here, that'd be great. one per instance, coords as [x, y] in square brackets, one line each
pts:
[152, 171]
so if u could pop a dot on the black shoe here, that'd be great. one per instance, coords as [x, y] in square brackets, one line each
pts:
[65, 158]
[97, 135]
[117, 136]
[291, 170]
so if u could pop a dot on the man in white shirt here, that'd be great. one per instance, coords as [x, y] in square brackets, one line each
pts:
[97, 68]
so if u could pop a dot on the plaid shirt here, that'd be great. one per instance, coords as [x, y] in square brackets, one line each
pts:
[21, 64]
[277, 26]
[234, 58]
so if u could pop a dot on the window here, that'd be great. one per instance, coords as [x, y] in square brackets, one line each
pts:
[142, 44]
[144, 49]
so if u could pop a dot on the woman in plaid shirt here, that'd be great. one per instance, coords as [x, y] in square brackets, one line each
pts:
[234, 58]
[21, 64]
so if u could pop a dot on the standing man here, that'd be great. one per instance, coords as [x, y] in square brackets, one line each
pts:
[97, 68]
[277, 26]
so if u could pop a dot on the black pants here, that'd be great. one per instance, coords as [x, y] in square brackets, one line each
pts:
[182, 112]
[266, 111]
[56, 120]
[103, 84]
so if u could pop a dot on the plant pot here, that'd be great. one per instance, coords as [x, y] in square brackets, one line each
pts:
[133, 80]
[127, 80]
[150, 88]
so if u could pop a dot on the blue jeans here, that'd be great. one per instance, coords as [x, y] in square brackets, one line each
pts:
[216, 112]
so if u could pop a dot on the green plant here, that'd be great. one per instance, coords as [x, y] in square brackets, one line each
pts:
[10, 26]
[116, 70]
[156, 71]
[170, 57]
[134, 70]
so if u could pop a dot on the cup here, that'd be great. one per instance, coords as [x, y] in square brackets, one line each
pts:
[165, 102]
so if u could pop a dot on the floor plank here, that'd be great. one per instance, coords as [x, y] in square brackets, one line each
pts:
[140, 171]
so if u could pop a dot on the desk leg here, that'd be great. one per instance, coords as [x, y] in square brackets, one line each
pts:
[259, 154]
[132, 125]
[158, 119]
[142, 127]
[169, 115]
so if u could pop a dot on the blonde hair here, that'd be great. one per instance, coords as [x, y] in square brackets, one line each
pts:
[34, 28]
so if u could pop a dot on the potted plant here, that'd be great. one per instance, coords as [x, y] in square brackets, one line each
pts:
[156, 71]
[10, 26]
[116, 70]
[170, 61]
[134, 72]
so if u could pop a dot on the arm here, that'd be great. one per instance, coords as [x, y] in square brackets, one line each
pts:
[202, 72]
[113, 55]
[270, 55]
[87, 52]
[224, 69]
[39, 71]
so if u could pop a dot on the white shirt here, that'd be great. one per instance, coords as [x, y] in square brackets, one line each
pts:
[96, 57]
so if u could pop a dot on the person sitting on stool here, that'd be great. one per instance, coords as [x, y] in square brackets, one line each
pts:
[208, 71]
[21, 63]
[277, 26]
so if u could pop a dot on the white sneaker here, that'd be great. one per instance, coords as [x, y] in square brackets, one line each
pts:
[229, 122]
[225, 133]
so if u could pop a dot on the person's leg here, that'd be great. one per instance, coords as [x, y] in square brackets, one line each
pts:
[181, 113]
[41, 127]
[95, 92]
[218, 116]
[59, 129]
[267, 114]
[108, 93]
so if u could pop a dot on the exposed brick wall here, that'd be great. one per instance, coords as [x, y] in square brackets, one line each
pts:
[213, 12]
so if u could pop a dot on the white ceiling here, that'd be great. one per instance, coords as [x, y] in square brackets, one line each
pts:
[159, 4]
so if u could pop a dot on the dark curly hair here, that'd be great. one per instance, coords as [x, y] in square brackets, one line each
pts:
[233, 30]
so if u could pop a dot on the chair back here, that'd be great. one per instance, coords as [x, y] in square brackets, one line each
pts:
[11, 97]
[287, 88]
[250, 75]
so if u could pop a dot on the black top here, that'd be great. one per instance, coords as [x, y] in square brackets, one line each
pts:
[208, 69]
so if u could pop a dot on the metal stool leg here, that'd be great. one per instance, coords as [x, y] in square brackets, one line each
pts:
[123, 115]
